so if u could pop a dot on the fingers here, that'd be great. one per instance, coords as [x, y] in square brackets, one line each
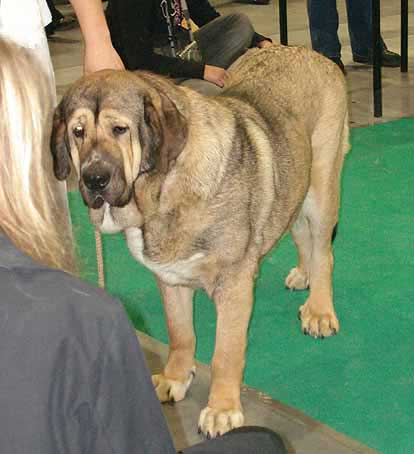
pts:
[216, 75]
[264, 43]
[224, 77]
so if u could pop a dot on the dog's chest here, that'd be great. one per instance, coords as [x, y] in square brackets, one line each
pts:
[178, 272]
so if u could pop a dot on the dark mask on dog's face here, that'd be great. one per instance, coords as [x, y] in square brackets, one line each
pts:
[111, 127]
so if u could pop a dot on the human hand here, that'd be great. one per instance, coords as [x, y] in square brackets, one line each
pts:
[101, 55]
[215, 75]
[264, 43]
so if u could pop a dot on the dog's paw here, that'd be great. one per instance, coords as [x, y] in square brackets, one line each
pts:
[214, 422]
[171, 390]
[297, 279]
[317, 322]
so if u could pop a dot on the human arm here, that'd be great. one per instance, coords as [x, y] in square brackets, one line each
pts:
[99, 52]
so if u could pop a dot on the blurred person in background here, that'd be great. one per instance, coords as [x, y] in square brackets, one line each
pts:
[151, 35]
[324, 22]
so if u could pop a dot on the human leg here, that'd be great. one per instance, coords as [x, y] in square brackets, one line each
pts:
[323, 25]
[56, 14]
[244, 440]
[221, 42]
[225, 39]
[360, 26]
[360, 34]
[59, 21]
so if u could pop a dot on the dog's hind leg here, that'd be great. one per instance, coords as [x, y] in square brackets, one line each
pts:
[173, 383]
[317, 315]
[320, 208]
[298, 278]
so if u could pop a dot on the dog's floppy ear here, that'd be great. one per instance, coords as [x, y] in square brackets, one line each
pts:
[59, 145]
[163, 134]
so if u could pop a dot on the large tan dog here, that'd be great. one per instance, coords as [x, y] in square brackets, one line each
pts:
[204, 187]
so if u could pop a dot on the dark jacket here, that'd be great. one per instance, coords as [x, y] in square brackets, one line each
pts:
[73, 379]
[134, 24]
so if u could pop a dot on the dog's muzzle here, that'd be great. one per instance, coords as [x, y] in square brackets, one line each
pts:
[102, 182]
[96, 181]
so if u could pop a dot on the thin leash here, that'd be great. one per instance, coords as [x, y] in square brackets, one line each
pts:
[166, 13]
[99, 258]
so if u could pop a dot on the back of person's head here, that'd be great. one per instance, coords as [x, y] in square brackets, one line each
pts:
[33, 205]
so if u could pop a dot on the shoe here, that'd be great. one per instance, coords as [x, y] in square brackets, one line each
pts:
[61, 24]
[388, 58]
[50, 29]
[260, 2]
[66, 23]
[339, 62]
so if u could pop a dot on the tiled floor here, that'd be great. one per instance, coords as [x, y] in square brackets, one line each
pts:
[302, 434]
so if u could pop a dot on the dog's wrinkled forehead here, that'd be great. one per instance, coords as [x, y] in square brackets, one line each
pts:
[106, 89]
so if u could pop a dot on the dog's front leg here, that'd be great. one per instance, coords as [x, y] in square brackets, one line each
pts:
[234, 301]
[173, 383]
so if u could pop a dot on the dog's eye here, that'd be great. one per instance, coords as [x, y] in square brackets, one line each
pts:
[78, 131]
[119, 130]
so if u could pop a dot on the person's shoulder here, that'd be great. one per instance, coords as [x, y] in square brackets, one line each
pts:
[42, 286]
[82, 290]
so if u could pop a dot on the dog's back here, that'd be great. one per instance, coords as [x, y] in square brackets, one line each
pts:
[288, 79]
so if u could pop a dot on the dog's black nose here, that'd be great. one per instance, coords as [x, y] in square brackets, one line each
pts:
[96, 181]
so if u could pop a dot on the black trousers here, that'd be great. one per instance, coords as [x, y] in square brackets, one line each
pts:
[56, 14]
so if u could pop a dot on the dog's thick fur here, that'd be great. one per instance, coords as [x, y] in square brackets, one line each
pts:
[204, 187]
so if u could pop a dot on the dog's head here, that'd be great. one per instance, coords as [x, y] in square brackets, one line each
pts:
[114, 126]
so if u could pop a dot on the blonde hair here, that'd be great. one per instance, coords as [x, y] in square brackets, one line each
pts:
[33, 205]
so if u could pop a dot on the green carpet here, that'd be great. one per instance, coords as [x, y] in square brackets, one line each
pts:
[361, 382]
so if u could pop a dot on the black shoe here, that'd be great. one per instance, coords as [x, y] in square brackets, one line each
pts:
[338, 62]
[50, 29]
[66, 23]
[61, 24]
[388, 58]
